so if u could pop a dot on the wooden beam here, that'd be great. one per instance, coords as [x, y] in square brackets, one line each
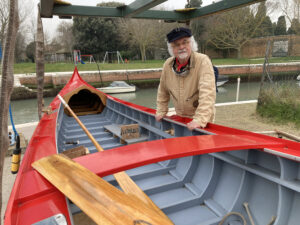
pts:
[224, 5]
[139, 6]
[46, 8]
[75, 10]
[138, 10]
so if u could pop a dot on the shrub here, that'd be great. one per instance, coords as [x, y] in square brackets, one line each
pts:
[280, 102]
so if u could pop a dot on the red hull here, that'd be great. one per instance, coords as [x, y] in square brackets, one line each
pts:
[34, 199]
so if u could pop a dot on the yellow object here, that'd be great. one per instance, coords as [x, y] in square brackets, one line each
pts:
[15, 163]
[59, 2]
[185, 10]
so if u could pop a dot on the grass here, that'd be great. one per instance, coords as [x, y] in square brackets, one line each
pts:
[280, 102]
[255, 60]
[27, 68]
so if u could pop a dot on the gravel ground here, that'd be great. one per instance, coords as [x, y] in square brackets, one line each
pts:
[244, 117]
[237, 116]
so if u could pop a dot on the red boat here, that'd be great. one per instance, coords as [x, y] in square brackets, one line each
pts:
[205, 176]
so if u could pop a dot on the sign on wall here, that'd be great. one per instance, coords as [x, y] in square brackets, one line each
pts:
[280, 48]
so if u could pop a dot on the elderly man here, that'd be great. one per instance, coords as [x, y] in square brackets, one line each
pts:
[188, 78]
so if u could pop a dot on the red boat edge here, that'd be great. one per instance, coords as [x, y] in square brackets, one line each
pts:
[33, 195]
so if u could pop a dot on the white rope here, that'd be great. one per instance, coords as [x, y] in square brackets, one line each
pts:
[233, 213]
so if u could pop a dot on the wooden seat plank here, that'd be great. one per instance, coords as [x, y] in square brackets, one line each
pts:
[115, 129]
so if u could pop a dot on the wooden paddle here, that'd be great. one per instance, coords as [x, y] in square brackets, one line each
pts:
[101, 201]
[125, 182]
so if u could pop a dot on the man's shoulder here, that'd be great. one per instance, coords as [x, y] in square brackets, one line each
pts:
[169, 61]
[200, 58]
[200, 55]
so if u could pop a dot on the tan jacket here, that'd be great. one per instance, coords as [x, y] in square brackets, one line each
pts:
[193, 95]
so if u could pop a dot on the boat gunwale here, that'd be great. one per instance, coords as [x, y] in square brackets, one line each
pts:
[22, 193]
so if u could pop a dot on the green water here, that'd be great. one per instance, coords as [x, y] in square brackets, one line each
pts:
[25, 111]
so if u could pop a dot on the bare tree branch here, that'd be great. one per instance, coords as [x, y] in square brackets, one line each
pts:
[235, 28]
[7, 81]
[144, 34]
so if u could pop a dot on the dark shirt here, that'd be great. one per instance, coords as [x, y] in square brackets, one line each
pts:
[216, 71]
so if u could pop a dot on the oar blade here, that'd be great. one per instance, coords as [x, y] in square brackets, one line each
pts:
[101, 201]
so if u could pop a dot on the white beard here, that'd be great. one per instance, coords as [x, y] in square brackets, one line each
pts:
[182, 55]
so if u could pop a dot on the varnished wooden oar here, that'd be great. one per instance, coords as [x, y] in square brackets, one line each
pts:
[101, 201]
[125, 182]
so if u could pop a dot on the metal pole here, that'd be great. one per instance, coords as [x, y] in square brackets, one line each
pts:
[238, 89]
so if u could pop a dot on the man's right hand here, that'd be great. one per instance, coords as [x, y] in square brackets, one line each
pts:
[158, 118]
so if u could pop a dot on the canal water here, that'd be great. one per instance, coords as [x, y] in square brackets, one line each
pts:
[25, 111]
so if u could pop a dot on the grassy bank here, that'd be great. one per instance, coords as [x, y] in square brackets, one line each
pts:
[26, 68]
[280, 102]
[64, 67]
[256, 77]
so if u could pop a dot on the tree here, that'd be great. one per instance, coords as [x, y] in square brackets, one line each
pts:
[7, 81]
[295, 27]
[24, 13]
[280, 28]
[291, 9]
[20, 47]
[145, 35]
[142, 34]
[30, 51]
[232, 30]
[4, 12]
[194, 4]
[198, 27]
[40, 67]
[65, 35]
[266, 27]
[94, 34]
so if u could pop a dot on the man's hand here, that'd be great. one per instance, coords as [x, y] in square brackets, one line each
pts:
[158, 118]
[192, 125]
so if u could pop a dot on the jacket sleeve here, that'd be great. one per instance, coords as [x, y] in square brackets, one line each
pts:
[163, 97]
[207, 94]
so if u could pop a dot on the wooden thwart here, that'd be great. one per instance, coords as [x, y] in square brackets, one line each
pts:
[101, 201]
[128, 134]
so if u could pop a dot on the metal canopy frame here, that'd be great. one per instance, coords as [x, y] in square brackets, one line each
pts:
[139, 9]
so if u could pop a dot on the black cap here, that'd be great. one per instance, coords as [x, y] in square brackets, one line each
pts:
[178, 33]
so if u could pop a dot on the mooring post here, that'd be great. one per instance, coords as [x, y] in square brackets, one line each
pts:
[238, 89]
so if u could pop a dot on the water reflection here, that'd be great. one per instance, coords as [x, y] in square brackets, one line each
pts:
[25, 111]
[126, 96]
[222, 90]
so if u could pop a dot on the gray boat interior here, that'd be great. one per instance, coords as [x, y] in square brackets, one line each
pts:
[196, 190]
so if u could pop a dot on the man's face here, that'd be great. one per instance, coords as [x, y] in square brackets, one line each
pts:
[182, 48]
